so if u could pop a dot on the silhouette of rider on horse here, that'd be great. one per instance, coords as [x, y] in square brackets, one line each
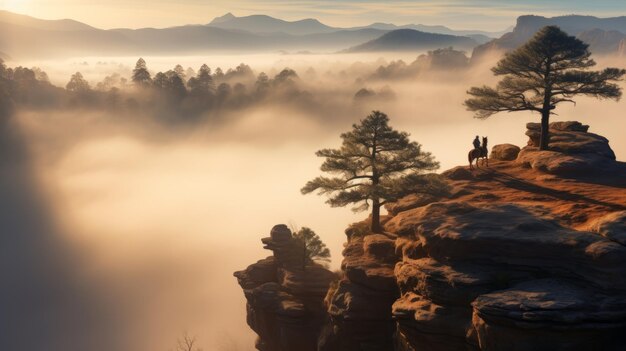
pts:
[479, 151]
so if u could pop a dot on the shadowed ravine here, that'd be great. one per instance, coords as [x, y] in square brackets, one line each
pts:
[49, 305]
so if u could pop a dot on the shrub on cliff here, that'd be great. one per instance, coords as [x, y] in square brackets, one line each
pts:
[549, 69]
[375, 165]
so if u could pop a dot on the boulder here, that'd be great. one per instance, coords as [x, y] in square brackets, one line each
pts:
[557, 163]
[572, 150]
[505, 152]
[571, 138]
[533, 130]
[288, 252]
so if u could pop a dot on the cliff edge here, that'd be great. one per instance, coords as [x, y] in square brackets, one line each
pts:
[285, 299]
[528, 253]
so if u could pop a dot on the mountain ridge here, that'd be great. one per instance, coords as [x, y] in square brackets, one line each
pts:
[33, 22]
[68, 38]
[268, 24]
[410, 39]
[593, 30]
[245, 22]
[29, 37]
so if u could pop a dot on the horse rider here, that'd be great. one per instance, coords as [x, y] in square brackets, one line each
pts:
[476, 143]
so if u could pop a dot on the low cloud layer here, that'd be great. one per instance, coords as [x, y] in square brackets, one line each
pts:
[125, 224]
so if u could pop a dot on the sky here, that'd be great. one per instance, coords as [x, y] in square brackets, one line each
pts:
[493, 15]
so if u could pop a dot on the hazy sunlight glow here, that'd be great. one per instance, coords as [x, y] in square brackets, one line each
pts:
[21, 6]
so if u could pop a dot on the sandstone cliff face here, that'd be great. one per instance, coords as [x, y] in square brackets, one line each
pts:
[285, 303]
[526, 254]
[518, 258]
[360, 307]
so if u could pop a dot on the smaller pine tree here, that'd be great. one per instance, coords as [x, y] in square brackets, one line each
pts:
[313, 248]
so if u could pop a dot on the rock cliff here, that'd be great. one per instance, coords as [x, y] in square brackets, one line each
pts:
[285, 301]
[526, 254]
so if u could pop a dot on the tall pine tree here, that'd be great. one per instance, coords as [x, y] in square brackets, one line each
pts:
[549, 69]
[375, 165]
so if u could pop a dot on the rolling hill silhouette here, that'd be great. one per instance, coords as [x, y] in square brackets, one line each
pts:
[604, 35]
[267, 24]
[25, 37]
[410, 39]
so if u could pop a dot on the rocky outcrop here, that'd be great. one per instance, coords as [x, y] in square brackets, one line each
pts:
[489, 277]
[360, 306]
[572, 150]
[285, 303]
[511, 258]
[505, 152]
[549, 314]
[516, 259]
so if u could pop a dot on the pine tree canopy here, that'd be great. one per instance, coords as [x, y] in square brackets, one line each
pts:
[314, 247]
[374, 165]
[549, 69]
[141, 76]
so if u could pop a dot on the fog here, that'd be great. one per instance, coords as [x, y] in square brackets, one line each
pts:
[127, 230]
[96, 68]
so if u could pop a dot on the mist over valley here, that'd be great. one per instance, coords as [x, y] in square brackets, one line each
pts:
[141, 167]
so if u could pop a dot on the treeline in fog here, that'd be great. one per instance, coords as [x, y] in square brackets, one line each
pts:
[177, 93]
[188, 93]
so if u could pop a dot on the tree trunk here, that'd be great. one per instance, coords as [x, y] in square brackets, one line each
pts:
[547, 108]
[545, 130]
[376, 217]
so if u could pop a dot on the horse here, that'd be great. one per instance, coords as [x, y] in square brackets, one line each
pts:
[475, 154]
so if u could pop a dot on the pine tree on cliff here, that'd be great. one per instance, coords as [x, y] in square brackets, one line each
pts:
[550, 68]
[375, 165]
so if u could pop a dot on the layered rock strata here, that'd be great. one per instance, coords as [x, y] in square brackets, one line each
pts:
[526, 254]
[572, 150]
[285, 301]
[360, 306]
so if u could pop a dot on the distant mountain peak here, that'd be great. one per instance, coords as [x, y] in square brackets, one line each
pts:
[267, 24]
[225, 18]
